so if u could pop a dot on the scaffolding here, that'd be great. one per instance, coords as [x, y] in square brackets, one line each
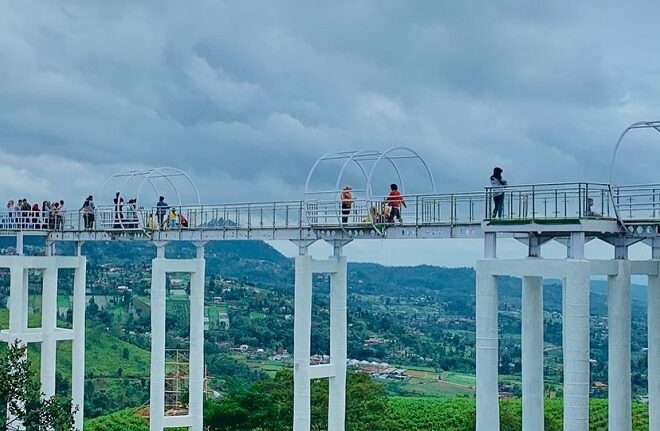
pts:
[176, 381]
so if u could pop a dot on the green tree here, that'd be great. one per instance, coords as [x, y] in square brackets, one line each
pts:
[268, 405]
[20, 391]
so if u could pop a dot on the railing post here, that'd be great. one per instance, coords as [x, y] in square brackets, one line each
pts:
[274, 217]
[586, 196]
[487, 204]
[451, 210]
[533, 202]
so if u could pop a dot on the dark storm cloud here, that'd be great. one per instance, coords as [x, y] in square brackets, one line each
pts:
[246, 95]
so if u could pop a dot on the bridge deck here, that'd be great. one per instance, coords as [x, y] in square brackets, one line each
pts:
[543, 209]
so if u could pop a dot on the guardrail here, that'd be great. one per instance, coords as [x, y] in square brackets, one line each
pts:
[551, 201]
[637, 202]
[560, 201]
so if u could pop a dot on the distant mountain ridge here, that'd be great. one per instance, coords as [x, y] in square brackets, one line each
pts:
[261, 263]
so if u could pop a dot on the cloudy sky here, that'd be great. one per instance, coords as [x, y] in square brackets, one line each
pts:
[245, 96]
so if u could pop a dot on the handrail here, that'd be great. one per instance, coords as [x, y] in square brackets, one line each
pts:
[522, 202]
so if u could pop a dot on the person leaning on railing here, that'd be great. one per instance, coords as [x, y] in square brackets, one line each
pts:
[497, 183]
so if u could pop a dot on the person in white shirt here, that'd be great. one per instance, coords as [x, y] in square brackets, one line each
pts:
[497, 183]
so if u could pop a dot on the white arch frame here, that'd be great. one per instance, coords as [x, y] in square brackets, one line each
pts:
[148, 176]
[359, 158]
[638, 125]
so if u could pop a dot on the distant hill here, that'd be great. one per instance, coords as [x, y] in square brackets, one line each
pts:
[260, 263]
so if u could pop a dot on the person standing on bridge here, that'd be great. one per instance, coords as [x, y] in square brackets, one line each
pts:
[346, 203]
[91, 212]
[84, 210]
[395, 200]
[497, 183]
[119, 208]
[161, 211]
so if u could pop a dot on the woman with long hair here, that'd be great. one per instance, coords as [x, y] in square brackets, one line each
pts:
[497, 183]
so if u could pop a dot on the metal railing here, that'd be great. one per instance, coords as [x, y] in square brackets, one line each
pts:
[560, 201]
[637, 202]
[550, 201]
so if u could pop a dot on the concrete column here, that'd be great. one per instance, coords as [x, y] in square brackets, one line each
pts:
[619, 328]
[490, 245]
[532, 354]
[48, 325]
[654, 341]
[78, 359]
[157, 386]
[17, 314]
[17, 301]
[19, 243]
[338, 344]
[488, 416]
[576, 346]
[196, 372]
[302, 333]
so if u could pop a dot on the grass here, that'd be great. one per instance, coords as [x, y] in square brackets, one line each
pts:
[435, 388]
[459, 378]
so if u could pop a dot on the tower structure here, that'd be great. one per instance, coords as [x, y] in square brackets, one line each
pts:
[21, 267]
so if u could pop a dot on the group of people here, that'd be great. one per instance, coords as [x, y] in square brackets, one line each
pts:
[52, 215]
[23, 215]
[389, 210]
[126, 215]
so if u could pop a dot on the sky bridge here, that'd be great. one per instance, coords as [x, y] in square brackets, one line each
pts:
[545, 210]
[571, 213]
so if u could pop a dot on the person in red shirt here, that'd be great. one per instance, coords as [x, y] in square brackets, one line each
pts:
[395, 200]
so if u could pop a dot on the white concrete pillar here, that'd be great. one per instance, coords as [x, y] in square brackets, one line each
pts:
[532, 354]
[18, 309]
[48, 325]
[78, 354]
[576, 346]
[157, 378]
[490, 245]
[302, 334]
[196, 372]
[653, 324]
[18, 283]
[19, 243]
[338, 344]
[619, 328]
[488, 416]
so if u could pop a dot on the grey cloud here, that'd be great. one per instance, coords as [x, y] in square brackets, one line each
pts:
[249, 94]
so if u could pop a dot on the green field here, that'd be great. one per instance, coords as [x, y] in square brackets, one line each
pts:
[424, 414]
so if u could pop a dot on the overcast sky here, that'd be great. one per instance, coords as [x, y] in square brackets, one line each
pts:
[245, 96]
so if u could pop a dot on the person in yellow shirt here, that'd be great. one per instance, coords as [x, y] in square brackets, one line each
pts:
[173, 219]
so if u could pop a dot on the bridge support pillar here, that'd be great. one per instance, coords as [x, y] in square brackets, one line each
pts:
[619, 368]
[158, 418]
[654, 339]
[488, 412]
[532, 354]
[576, 346]
[335, 371]
[49, 333]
